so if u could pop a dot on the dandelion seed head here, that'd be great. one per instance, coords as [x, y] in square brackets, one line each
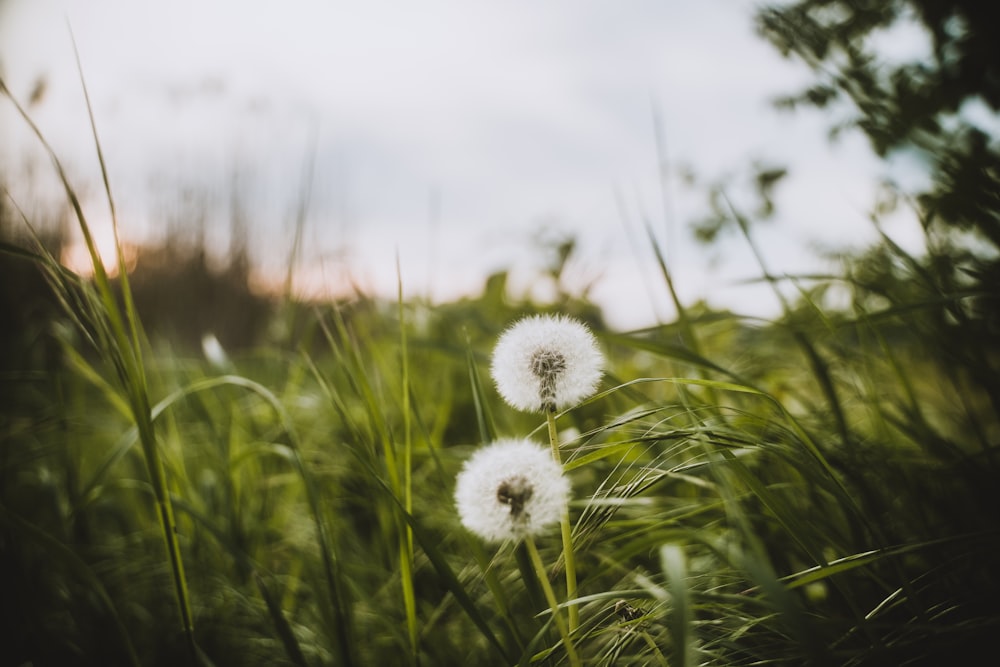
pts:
[544, 362]
[511, 489]
[514, 493]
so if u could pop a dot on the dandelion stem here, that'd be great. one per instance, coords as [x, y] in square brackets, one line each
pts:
[550, 416]
[567, 531]
[543, 578]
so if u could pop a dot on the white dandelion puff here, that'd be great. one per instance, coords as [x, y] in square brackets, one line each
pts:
[546, 363]
[511, 489]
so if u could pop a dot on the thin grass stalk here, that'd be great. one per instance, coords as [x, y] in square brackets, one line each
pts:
[484, 419]
[681, 619]
[532, 589]
[687, 328]
[343, 621]
[688, 332]
[684, 319]
[865, 328]
[138, 393]
[821, 371]
[662, 260]
[285, 633]
[336, 400]
[498, 591]
[406, 556]
[651, 292]
[349, 357]
[130, 310]
[756, 561]
[550, 596]
[168, 523]
[106, 300]
[569, 559]
[305, 195]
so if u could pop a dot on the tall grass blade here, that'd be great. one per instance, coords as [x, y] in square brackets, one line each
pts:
[487, 431]
[406, 558]
[125, 354]
[285, 633]
[681, 616]
[126, 291]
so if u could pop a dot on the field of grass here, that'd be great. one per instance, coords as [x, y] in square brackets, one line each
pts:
[818, 489]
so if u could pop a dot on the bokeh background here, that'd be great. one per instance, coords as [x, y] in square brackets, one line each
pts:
[464, 139]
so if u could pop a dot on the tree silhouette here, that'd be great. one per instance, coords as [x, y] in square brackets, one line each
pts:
[939, 108]
[920, 106]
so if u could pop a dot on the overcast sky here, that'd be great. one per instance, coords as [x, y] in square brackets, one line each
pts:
[448, 132]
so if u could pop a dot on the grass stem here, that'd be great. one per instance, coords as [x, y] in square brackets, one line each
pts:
[406, 557]
[543, 578]
[566, 530]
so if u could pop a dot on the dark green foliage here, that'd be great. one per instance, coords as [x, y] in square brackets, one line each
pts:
[918, 106]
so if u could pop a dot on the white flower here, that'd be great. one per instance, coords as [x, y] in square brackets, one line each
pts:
[546, 363]
[511, 489]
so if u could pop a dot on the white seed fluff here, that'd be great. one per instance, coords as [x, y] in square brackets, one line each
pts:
[511, 489]
[543, 361]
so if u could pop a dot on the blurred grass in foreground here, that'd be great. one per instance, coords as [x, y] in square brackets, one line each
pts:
[819, 489]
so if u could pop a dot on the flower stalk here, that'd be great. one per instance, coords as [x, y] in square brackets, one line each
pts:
[566, 529]
[550, 596]
[544, 364]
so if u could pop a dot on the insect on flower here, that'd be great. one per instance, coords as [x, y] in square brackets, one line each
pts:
[626, 612]
[544, 363]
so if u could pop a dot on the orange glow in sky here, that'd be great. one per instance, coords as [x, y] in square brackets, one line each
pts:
[76, 257]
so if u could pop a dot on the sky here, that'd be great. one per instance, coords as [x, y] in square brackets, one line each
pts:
[441, 137]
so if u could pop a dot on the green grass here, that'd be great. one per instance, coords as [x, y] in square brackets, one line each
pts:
[819, 489]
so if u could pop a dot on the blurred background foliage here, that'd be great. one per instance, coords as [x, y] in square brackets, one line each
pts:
[930, 109]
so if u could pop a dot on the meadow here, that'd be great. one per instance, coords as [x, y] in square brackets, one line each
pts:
[819, 489]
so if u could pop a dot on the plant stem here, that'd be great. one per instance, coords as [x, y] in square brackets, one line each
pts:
[567, 531]
[406, 545]
[543, 577]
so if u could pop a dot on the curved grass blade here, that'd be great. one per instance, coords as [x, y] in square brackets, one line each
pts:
[681, 618]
